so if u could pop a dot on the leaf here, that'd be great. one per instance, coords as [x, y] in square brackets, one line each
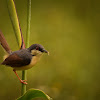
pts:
[34, 93]
[15, 22]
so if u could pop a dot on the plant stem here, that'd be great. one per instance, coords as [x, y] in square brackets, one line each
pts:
[28, 23]
[24, 73]
[24, 77]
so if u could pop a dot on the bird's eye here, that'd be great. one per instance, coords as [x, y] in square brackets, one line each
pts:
[37, 48]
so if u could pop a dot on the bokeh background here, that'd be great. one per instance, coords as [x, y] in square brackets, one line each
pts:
[70, 31]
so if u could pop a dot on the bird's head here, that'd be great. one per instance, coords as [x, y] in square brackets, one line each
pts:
[37, 49]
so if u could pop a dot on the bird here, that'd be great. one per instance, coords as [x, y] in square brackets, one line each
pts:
[22, 59]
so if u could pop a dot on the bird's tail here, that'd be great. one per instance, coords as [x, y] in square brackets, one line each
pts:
[4, 43]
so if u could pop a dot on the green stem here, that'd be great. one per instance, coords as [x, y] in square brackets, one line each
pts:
[27, 42]
[28, 23]
[24, 77]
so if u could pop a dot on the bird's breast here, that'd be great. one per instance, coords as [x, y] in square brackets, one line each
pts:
[34, 60]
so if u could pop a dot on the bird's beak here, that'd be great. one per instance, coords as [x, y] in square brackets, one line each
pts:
[45, 51]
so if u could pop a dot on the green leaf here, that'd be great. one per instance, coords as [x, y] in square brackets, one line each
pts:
[14, 20]
[34, 93]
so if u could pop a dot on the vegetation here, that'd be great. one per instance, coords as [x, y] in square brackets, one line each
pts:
[70, 31]
[32, 93]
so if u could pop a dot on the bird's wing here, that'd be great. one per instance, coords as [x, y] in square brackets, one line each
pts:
[15, 61]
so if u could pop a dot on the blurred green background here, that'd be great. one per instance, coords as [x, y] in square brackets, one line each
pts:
[70, 31]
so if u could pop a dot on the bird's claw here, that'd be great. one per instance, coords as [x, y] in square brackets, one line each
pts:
[23, 81]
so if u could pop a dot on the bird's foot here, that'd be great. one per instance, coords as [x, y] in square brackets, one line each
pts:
[23, 81]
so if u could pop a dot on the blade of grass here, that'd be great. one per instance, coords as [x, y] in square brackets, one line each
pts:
[24, 73]
[14, 20]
